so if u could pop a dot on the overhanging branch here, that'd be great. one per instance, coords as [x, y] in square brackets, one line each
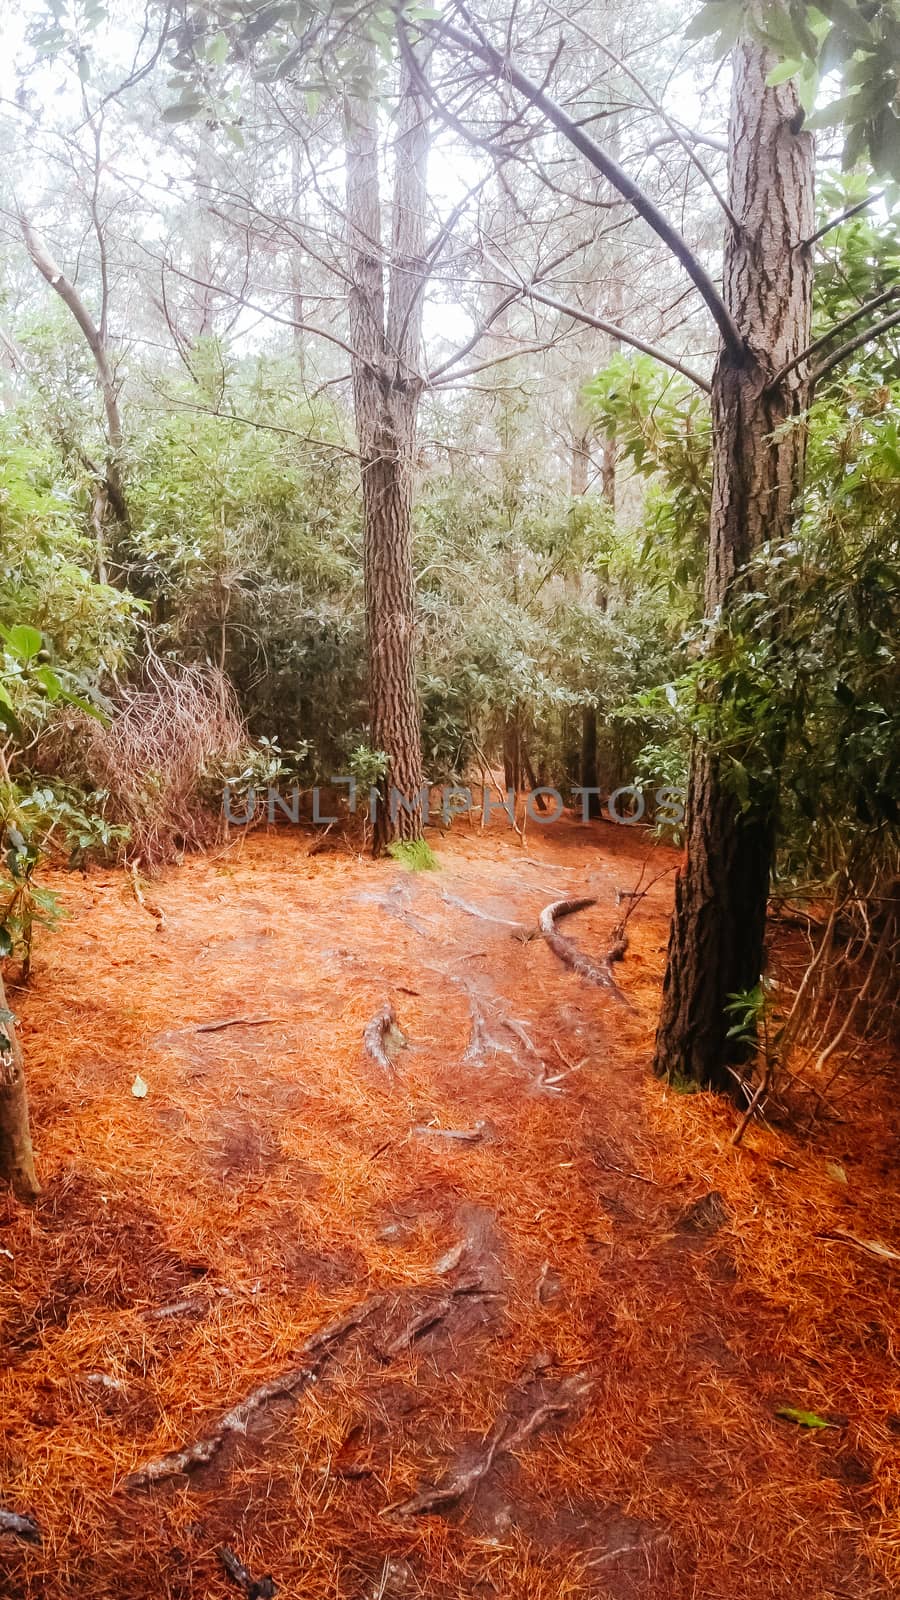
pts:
[609, 167]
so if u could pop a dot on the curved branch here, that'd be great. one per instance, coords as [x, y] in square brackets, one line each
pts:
[845, 350]
[674, 132]
[621, 333]
[825, 338]
[610, 169]
[70, 297]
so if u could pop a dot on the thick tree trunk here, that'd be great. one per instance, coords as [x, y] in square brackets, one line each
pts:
[386, 386]
[716, 942]
[16, 1154]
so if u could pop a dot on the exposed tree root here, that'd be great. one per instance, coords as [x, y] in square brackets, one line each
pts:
[483, 916]
[152, 910]
[254, 1588]
[233, 1022]
[432, 1315]
[461, 1135]
[286, 1385]
[508, 1435]
[597, 973]
[21, 1527]
[383, 1038]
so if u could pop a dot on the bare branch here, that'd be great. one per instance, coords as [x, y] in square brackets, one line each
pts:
[845, 350]
[843, 216]
[845, 322]
[621, 333]
[508, 72]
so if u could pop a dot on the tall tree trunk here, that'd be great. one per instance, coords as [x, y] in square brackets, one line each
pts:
[716, 940]
[16, 1154]
[387, 385]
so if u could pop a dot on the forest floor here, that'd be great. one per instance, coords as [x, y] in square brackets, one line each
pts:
[544, 1361]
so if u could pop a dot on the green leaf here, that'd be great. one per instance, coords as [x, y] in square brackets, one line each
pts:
[184, 111]
[783, 71]
[712, 19]
[22, 642]
[47, 677]
[803, 1419]
[217, 51]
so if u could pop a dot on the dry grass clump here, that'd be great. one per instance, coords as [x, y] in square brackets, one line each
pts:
[159, 758]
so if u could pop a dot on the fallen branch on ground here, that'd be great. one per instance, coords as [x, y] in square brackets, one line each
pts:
[383, 1038]
[286, 1386]
[597, 973]
[21, 1527]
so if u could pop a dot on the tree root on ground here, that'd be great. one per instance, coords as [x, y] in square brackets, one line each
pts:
[483, 916]
[597, 973]
[254, 1588]
[507, 1436]
[287, 1385]
[21, 1527]
[383, 1038]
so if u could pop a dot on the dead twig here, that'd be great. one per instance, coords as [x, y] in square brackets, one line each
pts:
[233, 1022]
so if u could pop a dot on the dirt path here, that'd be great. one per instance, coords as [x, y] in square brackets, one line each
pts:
[531, 1317]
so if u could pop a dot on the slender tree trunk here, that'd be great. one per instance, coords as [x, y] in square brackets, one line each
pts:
[96, 338]
[16, 1154]
[716, 941]
[387, 385]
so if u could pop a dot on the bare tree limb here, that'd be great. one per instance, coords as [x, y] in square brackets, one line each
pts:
[845, 350]
[506, 70]
[845, 322]
[842, 216]
[70, 297]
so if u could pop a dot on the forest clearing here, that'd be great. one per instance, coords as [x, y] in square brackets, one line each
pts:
[449, 799]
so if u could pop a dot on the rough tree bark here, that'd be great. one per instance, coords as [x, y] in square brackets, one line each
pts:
[16, 1154]
[716, 940]
[113, 482]
[387, 386]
